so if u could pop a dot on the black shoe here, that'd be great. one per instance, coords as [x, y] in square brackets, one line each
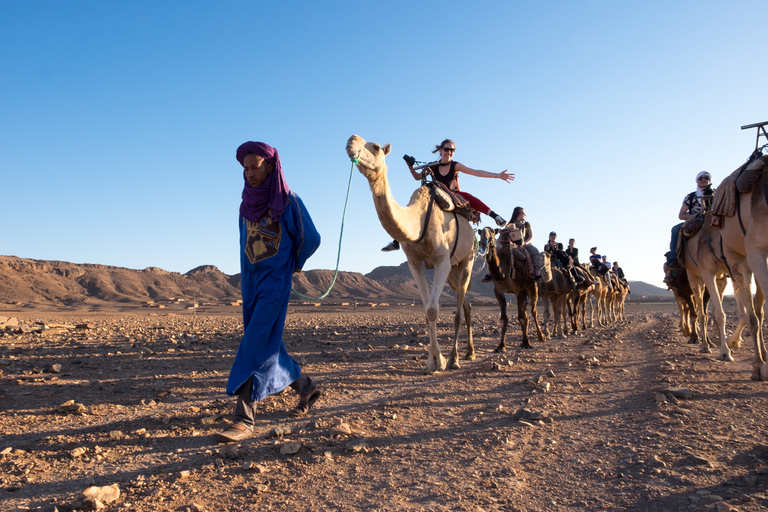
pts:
[394, 245]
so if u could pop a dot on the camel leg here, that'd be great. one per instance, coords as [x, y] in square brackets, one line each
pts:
[557, 312]
[573, 312]
[700, 327]
[760, 350]
[533, 296]
[692, 318]
[719, 315]
[459, 280]
[750, 313]
[501, 298]
[435, 359]
[468, 319]
[545, 306]
[522, 317]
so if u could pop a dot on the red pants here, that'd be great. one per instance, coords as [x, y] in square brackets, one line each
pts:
[474, 202]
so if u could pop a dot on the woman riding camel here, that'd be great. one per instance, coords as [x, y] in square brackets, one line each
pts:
[446, 171]
[520, 233]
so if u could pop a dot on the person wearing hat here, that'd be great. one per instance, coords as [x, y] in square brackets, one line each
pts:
[693, 204]
[277, 236]
[562, 260]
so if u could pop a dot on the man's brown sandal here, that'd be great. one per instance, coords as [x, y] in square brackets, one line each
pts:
[235, 432]
[305, 404]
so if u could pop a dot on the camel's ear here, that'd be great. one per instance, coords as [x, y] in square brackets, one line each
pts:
[386, 149]
[496, 231]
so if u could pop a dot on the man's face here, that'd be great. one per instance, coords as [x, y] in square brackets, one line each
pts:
[256, 169]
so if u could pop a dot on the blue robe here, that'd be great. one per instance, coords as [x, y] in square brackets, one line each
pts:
[270, 251]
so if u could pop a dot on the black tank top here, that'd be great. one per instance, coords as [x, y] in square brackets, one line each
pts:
[450, 180]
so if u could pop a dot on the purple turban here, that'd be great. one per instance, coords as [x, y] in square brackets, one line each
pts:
[270, 195]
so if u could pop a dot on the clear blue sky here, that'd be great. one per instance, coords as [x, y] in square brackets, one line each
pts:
[120, 120]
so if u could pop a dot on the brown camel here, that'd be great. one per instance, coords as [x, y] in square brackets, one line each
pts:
[510, 275]
[429, 238]
[599, 292]
[554, 288]
[744, 229]
[577, 299]
[704, 264]
[616, 297]
[684, 297]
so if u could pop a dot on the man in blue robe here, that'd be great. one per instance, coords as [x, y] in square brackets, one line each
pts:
[277, 237]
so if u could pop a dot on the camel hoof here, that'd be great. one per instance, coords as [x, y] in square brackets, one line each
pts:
[756, 376]
[693, 341]
[705, 350]
[728, 358]
[500, 350]
[455, 365]
[470, 357]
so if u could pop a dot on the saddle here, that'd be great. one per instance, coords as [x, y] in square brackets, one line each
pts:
[740, 181]
[748, 176]
[448, 201]
[693, 225]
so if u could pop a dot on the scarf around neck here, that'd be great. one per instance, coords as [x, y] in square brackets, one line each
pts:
[272, 195]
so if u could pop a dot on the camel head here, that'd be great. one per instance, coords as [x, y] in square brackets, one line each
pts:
[368, 156]
[487, 240]
[546, 266]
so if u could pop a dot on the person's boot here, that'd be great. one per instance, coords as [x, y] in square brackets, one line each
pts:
[498, 218]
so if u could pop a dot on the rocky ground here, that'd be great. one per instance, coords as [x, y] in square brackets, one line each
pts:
[624, 417]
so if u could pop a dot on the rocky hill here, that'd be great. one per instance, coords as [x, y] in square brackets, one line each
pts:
[62, 283]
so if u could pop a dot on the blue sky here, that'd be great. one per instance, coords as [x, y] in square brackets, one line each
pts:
[120, 120]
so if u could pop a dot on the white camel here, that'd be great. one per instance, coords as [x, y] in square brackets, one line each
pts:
[429, 238]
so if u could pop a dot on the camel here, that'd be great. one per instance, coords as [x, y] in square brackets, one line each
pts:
[616, 298]
[577, 299]
[554, 288]
[704, 267]
[684, 297]
[600, 294]
[744, 230]
[429, 238]
[510, 275]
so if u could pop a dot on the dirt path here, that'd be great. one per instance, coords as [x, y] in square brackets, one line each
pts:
[584, 423]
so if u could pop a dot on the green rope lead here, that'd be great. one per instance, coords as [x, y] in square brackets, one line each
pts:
[341, 234]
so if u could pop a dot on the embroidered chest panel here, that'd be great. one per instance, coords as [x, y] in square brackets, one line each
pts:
[262, 239]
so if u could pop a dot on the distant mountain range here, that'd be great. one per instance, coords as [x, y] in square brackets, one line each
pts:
[61, 283]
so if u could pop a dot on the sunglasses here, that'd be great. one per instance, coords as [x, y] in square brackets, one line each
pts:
[703, 178]
[449, 150]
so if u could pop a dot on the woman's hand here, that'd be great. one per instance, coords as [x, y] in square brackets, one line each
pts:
[504, 175]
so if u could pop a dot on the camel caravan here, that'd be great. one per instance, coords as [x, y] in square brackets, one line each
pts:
[435, 232]
[725, 237]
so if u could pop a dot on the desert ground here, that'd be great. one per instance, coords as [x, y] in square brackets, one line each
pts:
[623, 417]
